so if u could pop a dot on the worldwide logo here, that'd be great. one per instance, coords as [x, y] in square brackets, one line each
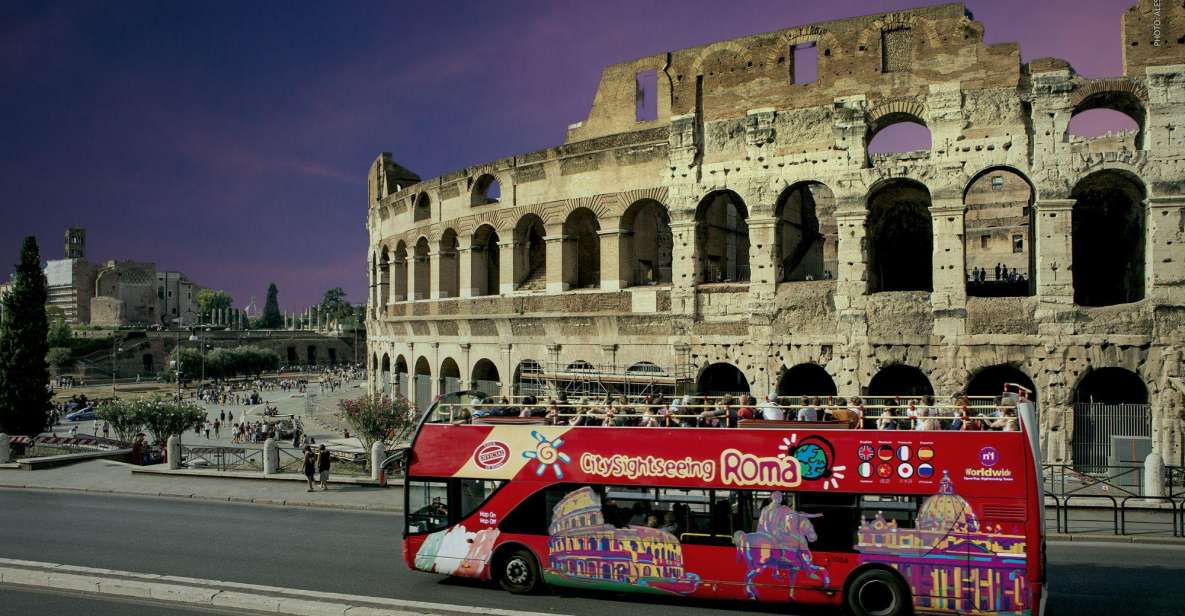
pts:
[988, 456]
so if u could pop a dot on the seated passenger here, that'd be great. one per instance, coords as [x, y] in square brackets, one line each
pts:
[770, 410]
[746, 410]
[887, 420]
[669, 524]
[808, 412]
[1007, 423]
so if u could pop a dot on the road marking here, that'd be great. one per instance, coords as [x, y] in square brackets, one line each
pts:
[220, 594]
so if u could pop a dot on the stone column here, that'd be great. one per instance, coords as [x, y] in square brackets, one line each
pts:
[506, 371]
[434, 274]
[173, 451]
[763, 262]
[1054, 257]
[613, 274]
[555, 263]
[949, 298]
[414, 293]
[466, 368]
[1164, 263]
[851, 287]
[683, 266]
[465, 271]
[506, 267]
[377, 455]
[271, 457]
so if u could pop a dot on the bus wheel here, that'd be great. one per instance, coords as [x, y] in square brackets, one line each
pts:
[519, 574]
[877, 592]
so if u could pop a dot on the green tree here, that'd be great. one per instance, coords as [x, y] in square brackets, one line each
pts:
[60, 358]
[272, 319]
[209, 300]
[377, 418]
[60, 334]
[164, 418]
[24, 334]
[126, 417]
[335, 308]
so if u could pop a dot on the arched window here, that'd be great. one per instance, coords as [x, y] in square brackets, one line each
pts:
[1118, 112]
[402, 382]
[806, 380]
[384, 279]
[486, 190]
[423, 384]
[484, 270]
[806, 237]
[582, 250]
[901, 134]
[899, 380]
[1108, 239]
[423, 209]
[450, 376]
[998, 237]
[422, 271]
[450, 265]
[645, 368]
[646, 244]
[722, 378]
[485, 377]
[900, 237]
[399, 278]
[530, 254]
[722, 238]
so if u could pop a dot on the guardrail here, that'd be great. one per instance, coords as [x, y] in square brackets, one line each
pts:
[1173, 513]
[223, 458]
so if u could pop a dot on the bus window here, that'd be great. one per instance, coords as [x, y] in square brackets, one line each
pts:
[837, 521]
[899, 508]
[475, 492]
[682, 511]
[533, 515]
[427, 506]
[624, 506]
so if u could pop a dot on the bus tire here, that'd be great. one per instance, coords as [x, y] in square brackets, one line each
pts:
[519, 573]
[877, 592]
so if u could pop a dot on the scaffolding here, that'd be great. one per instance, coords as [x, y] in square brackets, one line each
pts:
[582, 379]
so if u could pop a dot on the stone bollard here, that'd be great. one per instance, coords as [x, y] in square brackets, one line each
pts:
[1154, 475]
[271, 457]
[173, 450]
[5, 450]
[377, 455]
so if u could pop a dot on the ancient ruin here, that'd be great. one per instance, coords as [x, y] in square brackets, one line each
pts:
[742, 237]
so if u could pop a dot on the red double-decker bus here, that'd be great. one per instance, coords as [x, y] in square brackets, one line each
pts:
[880, 522]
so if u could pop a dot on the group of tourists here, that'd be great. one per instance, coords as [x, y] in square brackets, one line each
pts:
[1002, 274]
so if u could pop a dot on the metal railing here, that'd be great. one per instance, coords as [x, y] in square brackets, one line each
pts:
[223, 458]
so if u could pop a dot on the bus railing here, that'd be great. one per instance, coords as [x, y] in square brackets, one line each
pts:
[1173, 515]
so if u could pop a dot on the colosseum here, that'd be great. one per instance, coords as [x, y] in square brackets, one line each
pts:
[741, 237]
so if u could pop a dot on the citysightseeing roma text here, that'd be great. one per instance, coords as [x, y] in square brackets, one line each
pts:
[735, 468]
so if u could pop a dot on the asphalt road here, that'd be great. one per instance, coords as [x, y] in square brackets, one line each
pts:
[36, 602]
[359, 553]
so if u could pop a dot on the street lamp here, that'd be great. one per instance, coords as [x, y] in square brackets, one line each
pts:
[114, 349]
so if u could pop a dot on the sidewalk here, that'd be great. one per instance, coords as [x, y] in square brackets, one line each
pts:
[107, 477]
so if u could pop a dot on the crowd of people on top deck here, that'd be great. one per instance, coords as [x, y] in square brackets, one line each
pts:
[919, 413]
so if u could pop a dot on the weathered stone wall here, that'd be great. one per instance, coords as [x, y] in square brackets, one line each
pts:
[732, 118]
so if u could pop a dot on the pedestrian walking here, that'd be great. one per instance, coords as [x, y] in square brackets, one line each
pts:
[310, 466]
[323, 463]
[106, 430]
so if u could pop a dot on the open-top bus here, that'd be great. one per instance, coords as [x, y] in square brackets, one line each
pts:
[880, 522]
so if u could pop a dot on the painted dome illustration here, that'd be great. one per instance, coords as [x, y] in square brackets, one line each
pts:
[947, 511]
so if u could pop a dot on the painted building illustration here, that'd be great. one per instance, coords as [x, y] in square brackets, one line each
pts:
[949, 560]
[584, 550]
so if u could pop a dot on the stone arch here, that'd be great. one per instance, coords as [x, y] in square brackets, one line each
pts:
[807, 379]
[1120, 95]
[899, 380]
[383, 280]
[1107, 238]
[487, 189]
[646, 244]
[422, 384]
[806, 238]
[1108, 402]
[484, 268]
[990, 380]
[1111, 385]
[530, 253]
[385, 373]
[582, 250]
[448, 249]
[722, 238]
[399, 277]
[450, 376]
[722, 378]
[897, 115]
[421, 270]
[999, 232]
[402, 379]
[740, 51]
[423, 208]
[484, 377]
[528, 379]
[645, 368]
[900, 237]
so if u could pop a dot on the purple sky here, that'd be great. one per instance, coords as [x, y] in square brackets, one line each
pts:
[230, 140]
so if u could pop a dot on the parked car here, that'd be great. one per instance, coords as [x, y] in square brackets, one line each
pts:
[89, 413]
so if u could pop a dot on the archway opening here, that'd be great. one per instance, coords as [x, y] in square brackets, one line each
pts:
[896, 134]
[990, 381]
[722, 238]
[402, 382]
[722, 378]
[399, 277]
[582, 250]
[646, 244]
[528, 379]
[311, 355]
[486, 190]
[450, 265]
[422, 271]
[383, 280]
[998, 236]
[806, 237]
[901, 237]
[148, 363]
[423, 208]
[423, 384]
[806, 380]
[898, 380]
[1107, 239]
[485, 377]
[292, 358]
[385, 374]
[1120, 113]
[530, 254]
[450, 376]
[484, 270]
[1112, 420]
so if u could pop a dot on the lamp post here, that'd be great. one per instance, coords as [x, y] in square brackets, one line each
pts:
[114, 349]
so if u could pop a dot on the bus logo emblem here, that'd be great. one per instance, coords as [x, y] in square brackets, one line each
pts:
[491, 455]
[988, 456]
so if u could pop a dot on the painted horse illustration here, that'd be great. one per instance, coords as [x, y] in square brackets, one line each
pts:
[779, 544]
